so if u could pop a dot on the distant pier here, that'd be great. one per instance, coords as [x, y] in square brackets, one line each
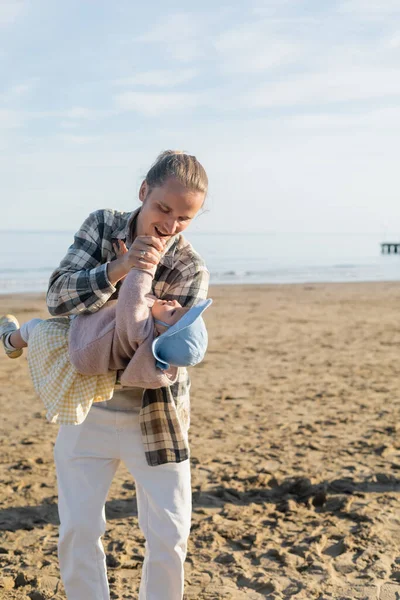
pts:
[390, 248]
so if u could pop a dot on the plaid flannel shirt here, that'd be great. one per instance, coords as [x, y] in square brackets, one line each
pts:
[80, 284]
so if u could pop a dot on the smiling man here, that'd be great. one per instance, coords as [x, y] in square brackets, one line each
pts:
[167, 210]
[147, 429]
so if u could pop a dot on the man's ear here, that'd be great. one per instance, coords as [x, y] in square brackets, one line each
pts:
[143, 191]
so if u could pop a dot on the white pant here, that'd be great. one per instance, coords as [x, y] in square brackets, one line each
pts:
[87, 457]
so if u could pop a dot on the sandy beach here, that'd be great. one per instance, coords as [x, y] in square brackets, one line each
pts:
[295, 454]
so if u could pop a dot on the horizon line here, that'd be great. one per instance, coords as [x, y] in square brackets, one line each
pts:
[267, 232]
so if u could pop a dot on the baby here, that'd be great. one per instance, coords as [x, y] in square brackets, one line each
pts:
[138, 341]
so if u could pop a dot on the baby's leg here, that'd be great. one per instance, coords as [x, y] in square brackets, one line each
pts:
[15, 340]
[20, 338]
[13, 337]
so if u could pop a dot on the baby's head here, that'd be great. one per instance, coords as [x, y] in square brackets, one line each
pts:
[166, 313]
[183, 336]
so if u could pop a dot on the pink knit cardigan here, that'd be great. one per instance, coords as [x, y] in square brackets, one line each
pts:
[118, 337]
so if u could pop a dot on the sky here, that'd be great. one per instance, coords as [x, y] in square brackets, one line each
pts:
[292, 107]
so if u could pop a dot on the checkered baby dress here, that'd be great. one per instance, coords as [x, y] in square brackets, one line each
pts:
[66, 394]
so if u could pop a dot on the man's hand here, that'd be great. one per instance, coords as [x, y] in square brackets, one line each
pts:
[144, 253]
[119, 248]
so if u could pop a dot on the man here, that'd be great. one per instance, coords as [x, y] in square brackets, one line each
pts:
[147, 429]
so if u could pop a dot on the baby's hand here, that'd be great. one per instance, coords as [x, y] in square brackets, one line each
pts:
[145, 252]
[119, 248]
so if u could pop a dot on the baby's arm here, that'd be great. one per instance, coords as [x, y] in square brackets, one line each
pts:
[133, 319]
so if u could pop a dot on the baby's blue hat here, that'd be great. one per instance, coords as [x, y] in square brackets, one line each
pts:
[185, 343]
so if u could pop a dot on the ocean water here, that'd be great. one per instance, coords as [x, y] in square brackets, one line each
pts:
[28, 258]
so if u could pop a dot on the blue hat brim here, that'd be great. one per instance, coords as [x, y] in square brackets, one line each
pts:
[186, 321]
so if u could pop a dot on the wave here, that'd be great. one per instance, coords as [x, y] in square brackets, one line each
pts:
[344, 266]
[20, 271]
[36, 280]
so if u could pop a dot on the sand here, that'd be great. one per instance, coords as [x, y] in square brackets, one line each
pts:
[295, 454]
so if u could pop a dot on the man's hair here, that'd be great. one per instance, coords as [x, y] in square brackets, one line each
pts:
[184, 167]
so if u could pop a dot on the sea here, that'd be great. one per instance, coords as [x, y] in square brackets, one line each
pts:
[27, 258]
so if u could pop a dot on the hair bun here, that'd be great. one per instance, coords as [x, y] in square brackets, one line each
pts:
[169, 153]
[177, 163]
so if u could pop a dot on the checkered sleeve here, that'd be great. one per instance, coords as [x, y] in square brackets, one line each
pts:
[80, 284]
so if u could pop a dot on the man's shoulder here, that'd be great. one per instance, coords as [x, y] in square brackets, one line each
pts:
[110, 216]
[107, 222]
[188, 256]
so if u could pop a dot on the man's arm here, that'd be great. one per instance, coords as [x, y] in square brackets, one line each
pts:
[81, 283]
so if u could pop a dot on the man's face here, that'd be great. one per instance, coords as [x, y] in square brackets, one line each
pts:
[167, 210]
